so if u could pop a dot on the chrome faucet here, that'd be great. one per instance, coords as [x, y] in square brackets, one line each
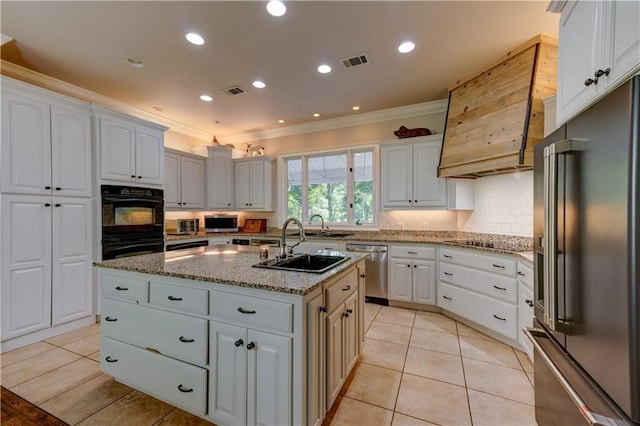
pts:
[283, 243]
[321, 222]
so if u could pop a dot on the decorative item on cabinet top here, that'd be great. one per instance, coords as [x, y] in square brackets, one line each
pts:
[403, 132]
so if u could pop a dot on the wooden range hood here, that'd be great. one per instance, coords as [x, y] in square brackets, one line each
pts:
[495, 117]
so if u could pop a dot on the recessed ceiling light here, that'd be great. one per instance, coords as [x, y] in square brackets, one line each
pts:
[259, 84]
[355, 107]
[406, 47]
[206, 98]
[137, 63]
[276, 8]
[316, 115]
[281, 121]
[324, 69]
[195, 39]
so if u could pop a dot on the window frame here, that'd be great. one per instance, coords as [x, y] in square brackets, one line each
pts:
[350, 151]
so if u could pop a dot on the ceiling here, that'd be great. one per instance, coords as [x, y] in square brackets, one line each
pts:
[85, 43]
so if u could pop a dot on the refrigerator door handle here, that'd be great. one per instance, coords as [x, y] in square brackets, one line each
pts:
[590, 416]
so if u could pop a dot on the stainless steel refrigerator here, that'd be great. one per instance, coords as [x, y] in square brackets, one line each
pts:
[586, 330]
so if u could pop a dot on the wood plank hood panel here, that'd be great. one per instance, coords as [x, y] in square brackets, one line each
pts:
[497, 116]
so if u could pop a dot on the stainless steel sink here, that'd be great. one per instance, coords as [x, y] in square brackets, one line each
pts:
[314, 263]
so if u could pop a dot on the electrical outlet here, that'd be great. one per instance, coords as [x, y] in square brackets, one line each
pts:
[399, 225]
[425, 226]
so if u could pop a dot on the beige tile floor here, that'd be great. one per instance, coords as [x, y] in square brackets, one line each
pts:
[417, 368]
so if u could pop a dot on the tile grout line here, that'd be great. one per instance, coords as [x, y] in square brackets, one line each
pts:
[464, 376]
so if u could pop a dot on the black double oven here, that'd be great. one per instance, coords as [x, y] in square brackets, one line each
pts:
[132, 221]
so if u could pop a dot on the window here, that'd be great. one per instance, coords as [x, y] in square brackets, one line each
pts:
[339, 186]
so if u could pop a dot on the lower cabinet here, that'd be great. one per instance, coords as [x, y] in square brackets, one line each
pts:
[251, 376]
[525, 306]
[412, 274]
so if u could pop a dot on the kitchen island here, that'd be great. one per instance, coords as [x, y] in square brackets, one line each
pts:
[205, 331]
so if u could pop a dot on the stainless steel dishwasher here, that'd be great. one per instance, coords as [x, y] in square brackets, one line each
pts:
[376, 266]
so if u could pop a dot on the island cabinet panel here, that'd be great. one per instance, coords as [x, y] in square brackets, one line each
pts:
[183, 384]
[124, 286]
[179, 298]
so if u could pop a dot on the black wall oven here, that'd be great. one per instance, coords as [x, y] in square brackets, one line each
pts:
[132, 221]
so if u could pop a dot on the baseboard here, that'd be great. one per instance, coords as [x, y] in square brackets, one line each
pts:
[47, 333]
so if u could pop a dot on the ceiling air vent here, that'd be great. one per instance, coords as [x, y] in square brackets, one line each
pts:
[355, 61]
[234, 90]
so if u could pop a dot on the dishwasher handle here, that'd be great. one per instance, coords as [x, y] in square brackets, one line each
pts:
[367, 249]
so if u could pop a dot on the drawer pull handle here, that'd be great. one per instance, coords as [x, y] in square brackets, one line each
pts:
[346, 288]
[499, 288]
[244, 311]
[239, 343]
[174, 298]
[251, 345]
[448, 298]
[447, 256]
[497, 317]
[122, 288]
[449, 274]
[498, 266]
[110, 319]
[185, 340]
[412, 252]
[183, 389]
[109, 359]
[529, 302]
[521, 274]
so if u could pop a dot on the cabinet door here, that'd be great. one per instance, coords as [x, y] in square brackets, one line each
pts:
[192, 183]
[228, 373]
[72, 280]
[149, 154]
[397, 176]
[428, 190]
[579, 55]
[70, 151]
[335, 365]
[525, 317]
[172, 181]
[401, 284]
[269, 379]
[117, 150]
[424, 281]
[622, 40]
[241, 183]
[26, 264]
[26, 144]
[350, 324]
[315, 361]
[220, 188]
[257, 182]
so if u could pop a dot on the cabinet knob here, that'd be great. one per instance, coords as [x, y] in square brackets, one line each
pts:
[239, 343]
[251, 345]
[47, 204]
[529, 302]
[58, 188]
[590, 81]
[133, 176]
[408, 266]
[47, 187]
[57, 205]
[139, 177]
[600, 73]
[228, 204]
[323, 309]
[345, 314]
[415, 201]
[363, 276]
[349, 311]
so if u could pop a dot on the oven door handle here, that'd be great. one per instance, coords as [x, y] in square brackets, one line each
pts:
[130, 246]
[130, 199]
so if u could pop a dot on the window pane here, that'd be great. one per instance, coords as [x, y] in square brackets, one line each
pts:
[294, 188]
[363, 187]
[327, 187]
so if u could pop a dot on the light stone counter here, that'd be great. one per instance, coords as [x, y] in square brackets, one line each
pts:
[227, 264]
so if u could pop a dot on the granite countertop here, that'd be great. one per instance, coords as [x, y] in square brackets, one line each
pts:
[226, 264]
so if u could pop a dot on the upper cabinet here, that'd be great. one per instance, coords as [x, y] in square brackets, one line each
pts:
[46, 142]
[131, 150]
[496, 116]
[219, 181]
[184, 179]
[254, 183]
[599, 48]
[410, 174]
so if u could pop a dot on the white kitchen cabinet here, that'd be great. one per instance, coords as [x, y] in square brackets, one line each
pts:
[46, 142]
[410, 174]
[316, 361]
[599, 47]
[184, 181]
[412, 274]
[219, 180]
[253, 183]
[252, 376]
[46, 262]
[525, 306]
[131, 150]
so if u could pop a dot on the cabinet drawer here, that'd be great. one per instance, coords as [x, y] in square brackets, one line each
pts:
[176, 382]
[525, 275]
[252, 311]
[498, 316]
[121, 286]
[493, 285]
[499, 265]
[178, 336]
[413, 252]
[335, 295]
[185, 299]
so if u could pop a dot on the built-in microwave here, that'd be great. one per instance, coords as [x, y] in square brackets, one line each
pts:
[221, 223]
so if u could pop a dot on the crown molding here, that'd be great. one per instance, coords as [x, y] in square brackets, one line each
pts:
[340, 122]
[38, 79]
